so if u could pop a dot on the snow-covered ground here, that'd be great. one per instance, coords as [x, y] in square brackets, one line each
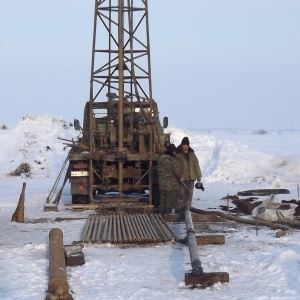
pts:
[260, 266]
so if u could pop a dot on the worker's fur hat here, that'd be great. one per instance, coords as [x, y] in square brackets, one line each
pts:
[171, 148]
[185, 141]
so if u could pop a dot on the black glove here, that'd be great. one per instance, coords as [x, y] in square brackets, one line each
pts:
[199, 186]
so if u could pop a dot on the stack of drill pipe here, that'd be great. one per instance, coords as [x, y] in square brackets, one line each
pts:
[161, 228]
[167, 226]
[119, 228]
[104, 235]
[98, 228]
[58, 285]
[123, 229]
[142, 228]
[151, 231]
[191, 238]
[87, 229]
[130, 228]
[127, 229]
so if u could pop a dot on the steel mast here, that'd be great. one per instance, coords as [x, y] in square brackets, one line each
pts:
[121, 67]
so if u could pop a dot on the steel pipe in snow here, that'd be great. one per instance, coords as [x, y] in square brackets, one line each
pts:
[58, 284]
[191, 238]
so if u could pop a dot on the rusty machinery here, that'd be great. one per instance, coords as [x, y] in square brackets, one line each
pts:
[121, 135]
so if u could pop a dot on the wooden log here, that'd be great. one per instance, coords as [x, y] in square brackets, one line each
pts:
[58, 284]
[246, 206]
[206, 279]
[196, 218]
[18, 215]
[285, 229]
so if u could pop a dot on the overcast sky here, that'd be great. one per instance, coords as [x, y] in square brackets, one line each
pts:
[215, 64]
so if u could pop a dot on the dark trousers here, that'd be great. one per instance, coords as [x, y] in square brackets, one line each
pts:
[187, 193]
[168, 201]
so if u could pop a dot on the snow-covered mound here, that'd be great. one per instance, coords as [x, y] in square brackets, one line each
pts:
[267, 160]
[34, 142]
[233, 158]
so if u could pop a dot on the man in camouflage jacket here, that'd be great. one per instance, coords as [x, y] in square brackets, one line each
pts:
[169, 174]
[190, 170]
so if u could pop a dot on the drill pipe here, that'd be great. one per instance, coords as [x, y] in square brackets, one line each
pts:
[123, 228]
[85, 234]
[127, 229]
[166, 231]
[157, 225]
[99, 228]
[104, 235]
[95, 228]
[194, 255]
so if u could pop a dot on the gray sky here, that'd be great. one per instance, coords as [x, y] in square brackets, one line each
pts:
[215, 64]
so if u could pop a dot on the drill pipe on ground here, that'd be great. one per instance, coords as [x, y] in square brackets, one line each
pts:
[134, 238]
[191, 238]
[99, 228]
[124, 235]
[109, 228]
[85, 236]
[119, 228]
[104, 235]
[127, 230]
[120, 240]
[90, 228]
[148, 231]
[58, 284]
[135, 228]
[115, 237]
[146, 238]
[168, 227]
[162, 233]
[95, 228]
[164, 228]
[156, 238]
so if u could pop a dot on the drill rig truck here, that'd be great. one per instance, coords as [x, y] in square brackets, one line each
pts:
[121, 137]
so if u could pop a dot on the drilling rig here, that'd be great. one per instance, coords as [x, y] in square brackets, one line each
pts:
[121, 138]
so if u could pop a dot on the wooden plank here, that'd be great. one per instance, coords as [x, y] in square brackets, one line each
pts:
[50, 207]
[210, 239]
[263, 192]
[117, 200]
[195, 218]
[206, 279]
[83, 206]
